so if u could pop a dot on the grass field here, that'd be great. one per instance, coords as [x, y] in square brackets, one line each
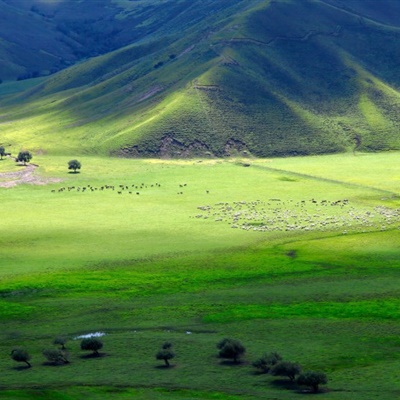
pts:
[295, 255]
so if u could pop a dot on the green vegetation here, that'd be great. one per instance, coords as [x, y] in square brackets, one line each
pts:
[231, 349]
[166, 354]
[74, 164]
[93, 344]
[24, 157]
[56, 356]
[249, 77]
[144, 269]
[312, 379]
[21, 355]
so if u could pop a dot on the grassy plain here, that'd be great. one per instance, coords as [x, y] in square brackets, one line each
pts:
[149, 267]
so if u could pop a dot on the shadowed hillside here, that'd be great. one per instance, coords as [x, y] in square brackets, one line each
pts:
[254, 77]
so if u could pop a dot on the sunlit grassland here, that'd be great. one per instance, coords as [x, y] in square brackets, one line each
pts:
[144, 269]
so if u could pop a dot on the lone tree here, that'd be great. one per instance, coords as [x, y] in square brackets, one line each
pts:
[60, 340]
[2, 152]
[267, 361]
[286, 368]
[21, 355]
[92, 344]
[74, 164]
[231, 349]
[166, 353]
[312, 379]
[56, 356]
[24, 156]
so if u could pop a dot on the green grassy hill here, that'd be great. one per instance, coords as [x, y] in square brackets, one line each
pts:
[255, 77]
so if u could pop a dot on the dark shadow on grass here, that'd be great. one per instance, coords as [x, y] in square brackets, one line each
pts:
[21, 368]
[230, 363]
[74, 172]
[93, 355]
[55, 364]
[285, 384]
[165, 366]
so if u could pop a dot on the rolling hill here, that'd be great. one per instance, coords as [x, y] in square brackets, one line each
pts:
[206, 78]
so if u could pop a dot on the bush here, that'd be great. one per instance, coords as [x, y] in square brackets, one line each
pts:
[21, 355]
[74, 164]
[166, 353]
[267, 361]
[60, 340]
[56, 356]
[312, 379]
[92, 344]
[24, 156]
[286, 368]
[231, 349]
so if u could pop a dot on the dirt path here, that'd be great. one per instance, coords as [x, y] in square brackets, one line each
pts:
[25, 175]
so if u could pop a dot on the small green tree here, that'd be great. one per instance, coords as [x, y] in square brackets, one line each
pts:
[56, 356]
[61, 341]
[312, 379]
[166, 353]
[267, 361]
[24, 156]
[93, 344]
[74, 164]
[21, 355]
[231, 349]
[286, 368]
[2, 152]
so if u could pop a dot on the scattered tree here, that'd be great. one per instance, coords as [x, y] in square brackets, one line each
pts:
[74, 164]
[312, 379]
[267, 361]
[24, 156]
[60, 340]
[286, 368]
[166, 353]
[2, 152]
[231, 349]
[56, 356]
[93, 344]
[21, 355]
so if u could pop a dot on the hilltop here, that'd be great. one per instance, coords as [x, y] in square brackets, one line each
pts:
[205, 78]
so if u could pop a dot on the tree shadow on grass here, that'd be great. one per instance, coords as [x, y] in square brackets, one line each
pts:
[55, 364]
[21, 368]
[93, 355]
[285, 384]
[171, 366]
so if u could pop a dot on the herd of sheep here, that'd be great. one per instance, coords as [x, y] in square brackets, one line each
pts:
[304, 215]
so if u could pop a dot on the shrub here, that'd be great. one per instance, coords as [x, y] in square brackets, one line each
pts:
[231, 349]
[92, 344]
[286, 368]
[267, 361]
[166, 353]
[56, 356]
[312, 379]
[60, 340]
[21, 355]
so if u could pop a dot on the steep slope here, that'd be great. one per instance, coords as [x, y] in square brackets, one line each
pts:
[267, 78]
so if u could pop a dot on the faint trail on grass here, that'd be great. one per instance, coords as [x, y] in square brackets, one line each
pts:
[328, 180]
[25, 176]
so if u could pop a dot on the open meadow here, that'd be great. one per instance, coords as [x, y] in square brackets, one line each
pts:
[295, 255]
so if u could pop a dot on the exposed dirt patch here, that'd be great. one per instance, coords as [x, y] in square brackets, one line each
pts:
[25, 176]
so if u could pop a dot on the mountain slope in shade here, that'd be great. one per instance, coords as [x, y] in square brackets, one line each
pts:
[267, 78]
